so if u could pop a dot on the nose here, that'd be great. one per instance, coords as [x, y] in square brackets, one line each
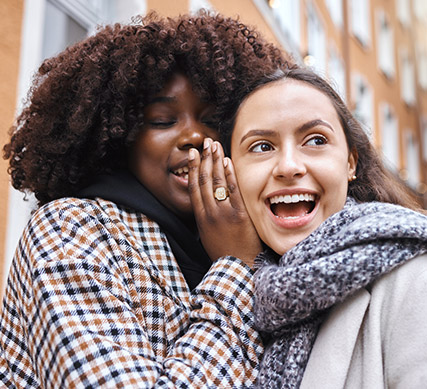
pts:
[289, 164]
[191, 136]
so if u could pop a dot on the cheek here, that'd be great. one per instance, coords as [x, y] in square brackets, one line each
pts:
[335, 184]
[250, 185]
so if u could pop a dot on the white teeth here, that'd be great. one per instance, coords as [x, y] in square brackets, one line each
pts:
[287, 199]
[181, 170]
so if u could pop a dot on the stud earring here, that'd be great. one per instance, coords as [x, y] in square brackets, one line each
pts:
[352, 178]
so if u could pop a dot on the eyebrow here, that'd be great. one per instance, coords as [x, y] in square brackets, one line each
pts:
[305, 126]
[314, 123]
[257, 133]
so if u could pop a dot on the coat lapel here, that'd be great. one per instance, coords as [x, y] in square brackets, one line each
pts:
[332, 351]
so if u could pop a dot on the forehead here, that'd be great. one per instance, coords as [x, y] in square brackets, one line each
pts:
[284, 100]
[176, 83]
[283, 92]
[177, 89]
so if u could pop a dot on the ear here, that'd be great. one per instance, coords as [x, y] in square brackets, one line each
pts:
[352, 163]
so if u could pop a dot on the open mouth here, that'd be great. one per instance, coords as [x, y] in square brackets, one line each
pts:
[292, 206]
[181, 172]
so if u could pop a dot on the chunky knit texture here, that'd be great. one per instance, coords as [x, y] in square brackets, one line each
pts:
[351, 249]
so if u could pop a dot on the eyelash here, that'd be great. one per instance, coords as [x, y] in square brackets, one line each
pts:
[316, 137]
[162, 124]
[169, 123]
[210, 123]
[262, 143]
[252, 148]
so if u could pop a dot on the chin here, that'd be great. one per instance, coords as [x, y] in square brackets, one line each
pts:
[184, 213]
[290, 243]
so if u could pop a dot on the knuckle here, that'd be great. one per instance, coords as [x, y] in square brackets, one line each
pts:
[192, 167]
[216, 180]
[215, 157]
[232, 188]
[205, 154]
[203, 178]
[210, 219]
[192, 187]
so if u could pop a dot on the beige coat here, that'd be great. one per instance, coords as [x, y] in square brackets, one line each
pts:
[377, 338]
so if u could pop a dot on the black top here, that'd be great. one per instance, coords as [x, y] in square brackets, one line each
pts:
[122, 188]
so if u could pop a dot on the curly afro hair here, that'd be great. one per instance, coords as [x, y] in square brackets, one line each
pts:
[85, 105]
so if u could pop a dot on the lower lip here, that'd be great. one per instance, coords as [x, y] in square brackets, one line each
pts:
[292, 223]
[181, 180]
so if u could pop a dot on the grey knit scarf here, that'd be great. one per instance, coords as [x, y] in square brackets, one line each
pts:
[348, 251]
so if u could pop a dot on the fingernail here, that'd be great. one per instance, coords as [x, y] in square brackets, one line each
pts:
[191, 154]
[214, 146]
[225, 162]
[206, 143]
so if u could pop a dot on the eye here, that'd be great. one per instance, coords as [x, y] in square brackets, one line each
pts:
[160, 123]
[261, 147]
[317, 140]
[210, 122]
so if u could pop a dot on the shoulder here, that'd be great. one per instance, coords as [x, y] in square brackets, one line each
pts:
[399, 301]
[62, 207]
[73, 226]
[84, 212]
[410, 277]
[398, 298]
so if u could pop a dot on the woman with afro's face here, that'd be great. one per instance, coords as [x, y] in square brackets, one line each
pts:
[175, 120]
[110, 284]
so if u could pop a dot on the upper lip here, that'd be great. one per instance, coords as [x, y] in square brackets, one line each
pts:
[180, 165]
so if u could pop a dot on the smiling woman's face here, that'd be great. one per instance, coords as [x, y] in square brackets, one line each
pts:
[292, 161]
[175, 120]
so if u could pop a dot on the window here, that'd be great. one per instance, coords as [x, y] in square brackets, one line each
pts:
[287, 13]
[196, 5]
[60, 30]
[90, 13]
[403, 11]
[412, 162]
[385, 45]
[363, 99]
[420, 10]
[336, 11]
[422, 66]
[389, 136]
[336, 72]
[424, 133]
[407, 79]
[360, 19]
[316, 41]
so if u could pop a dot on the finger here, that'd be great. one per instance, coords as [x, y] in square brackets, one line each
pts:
[193, 180]
[205, 174]
[236, 199]
[218, 173]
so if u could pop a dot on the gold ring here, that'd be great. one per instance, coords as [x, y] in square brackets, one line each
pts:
[221, 193]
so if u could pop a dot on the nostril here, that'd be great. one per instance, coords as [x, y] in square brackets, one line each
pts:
[191, 138]
[189, 146]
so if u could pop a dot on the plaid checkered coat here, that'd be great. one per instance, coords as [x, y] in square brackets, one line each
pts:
[96, 299]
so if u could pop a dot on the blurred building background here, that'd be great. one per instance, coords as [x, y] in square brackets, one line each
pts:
[373, 51]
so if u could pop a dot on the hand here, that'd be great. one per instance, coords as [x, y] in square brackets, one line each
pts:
[224, 225]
